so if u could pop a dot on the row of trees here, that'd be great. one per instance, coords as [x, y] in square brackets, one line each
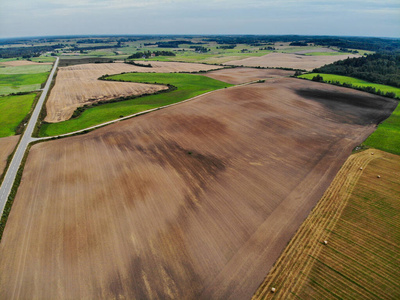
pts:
[368, 89]
[147, 54]
[27, 52]
[199, 49]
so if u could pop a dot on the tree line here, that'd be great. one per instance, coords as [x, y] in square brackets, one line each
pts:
[382, 68]
[27, 52]
[147, 54]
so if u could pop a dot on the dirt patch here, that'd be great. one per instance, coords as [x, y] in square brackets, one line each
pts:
[242, 75]
[196, 201]
[7, 145]
[16, 63]
[283, 60]
[79, 85]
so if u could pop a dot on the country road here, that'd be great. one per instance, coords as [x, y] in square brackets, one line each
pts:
[9, 178]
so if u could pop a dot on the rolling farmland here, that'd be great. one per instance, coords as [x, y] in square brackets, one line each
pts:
[358, 216]
[79, 85]
[194, 201]
[187, 86]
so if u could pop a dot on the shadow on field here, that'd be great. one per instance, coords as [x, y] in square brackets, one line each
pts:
[352, 108]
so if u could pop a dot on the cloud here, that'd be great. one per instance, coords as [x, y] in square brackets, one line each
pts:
[350, 17]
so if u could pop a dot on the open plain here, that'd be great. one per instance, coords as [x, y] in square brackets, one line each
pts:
[289, 60]
[78, 85]
[194, 201]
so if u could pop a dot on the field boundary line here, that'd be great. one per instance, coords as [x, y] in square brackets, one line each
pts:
[291, 270]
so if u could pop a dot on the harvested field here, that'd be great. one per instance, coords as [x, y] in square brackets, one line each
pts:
[284, 60]
[7, 145]
[78, 85]
[242, 75]
[17, 63]
[358, 216]
[196, 201]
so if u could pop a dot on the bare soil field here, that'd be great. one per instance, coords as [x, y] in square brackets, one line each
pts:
[79, 85]
[7, 145]
[358, 217]
[16, 63]
[242, 75]
[286, 60]
[196, 201]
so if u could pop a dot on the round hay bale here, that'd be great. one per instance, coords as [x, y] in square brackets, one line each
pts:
[273, 290]
[372, 153]
[325, 242]
[379, 176]
[360, 168]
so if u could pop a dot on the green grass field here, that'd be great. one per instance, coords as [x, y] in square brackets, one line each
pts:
[387, 135]
[14, 109]
[44, 59]
[28, 69]
[329, 78]
[187, 85]
[17, 83]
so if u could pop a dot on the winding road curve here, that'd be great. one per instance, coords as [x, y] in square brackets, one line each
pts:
[9, 178]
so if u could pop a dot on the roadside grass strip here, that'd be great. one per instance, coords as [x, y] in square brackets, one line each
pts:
[359, 217]
[187, 86]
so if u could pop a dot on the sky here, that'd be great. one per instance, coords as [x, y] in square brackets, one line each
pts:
[23, 18]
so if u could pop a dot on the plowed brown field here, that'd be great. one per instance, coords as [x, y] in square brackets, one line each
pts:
[243, 75]
[7, 145]
[196, 201]
[79, 85]
[284, 60]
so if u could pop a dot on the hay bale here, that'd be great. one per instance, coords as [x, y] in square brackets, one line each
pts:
[325, 242]
[360, 168]
[372, 153]
[379, 176]
[273, 290]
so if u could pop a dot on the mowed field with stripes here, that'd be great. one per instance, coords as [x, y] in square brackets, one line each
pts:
[359, 218]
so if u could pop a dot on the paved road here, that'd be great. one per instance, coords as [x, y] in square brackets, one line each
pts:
[8, 181]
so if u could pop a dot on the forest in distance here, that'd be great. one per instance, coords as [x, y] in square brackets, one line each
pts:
[18, 47]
